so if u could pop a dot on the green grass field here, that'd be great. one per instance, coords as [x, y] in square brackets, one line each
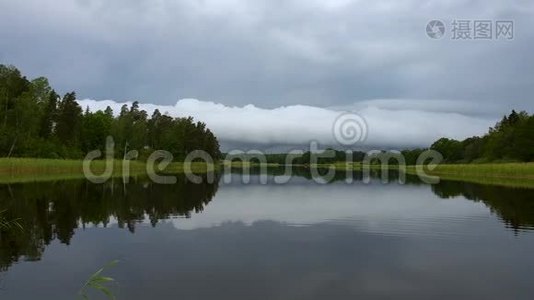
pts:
[504, 170]
[504, 174]
[496, 170]
[13, 170]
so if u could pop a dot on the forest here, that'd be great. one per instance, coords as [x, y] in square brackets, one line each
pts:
[510, 140]
[36, 122]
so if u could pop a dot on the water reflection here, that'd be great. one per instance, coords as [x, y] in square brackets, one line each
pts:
[291, 174]
[515, 206]
[53, 210]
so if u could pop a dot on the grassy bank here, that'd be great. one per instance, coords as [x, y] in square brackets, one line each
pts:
[497, 170]
[14, 170]
[519, 175]
[489, 170]
[504, 170]
[504, 174]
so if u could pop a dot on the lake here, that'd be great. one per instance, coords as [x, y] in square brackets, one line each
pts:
[297, 240]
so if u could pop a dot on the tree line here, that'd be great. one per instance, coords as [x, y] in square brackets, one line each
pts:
[510, 140]
[36, 122]
[327, 156]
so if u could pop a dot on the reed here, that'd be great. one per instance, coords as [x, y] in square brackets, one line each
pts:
[99, 282]
[15, 170]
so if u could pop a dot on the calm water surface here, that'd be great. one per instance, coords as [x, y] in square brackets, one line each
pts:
[299, 240]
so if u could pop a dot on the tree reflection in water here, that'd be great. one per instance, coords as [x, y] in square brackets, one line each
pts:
[54, 210]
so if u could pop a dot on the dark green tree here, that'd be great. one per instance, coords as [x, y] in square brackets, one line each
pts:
[35, 122]
[69, 120]
[49, 115]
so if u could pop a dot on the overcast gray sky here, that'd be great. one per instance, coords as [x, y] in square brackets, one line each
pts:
[342, 55]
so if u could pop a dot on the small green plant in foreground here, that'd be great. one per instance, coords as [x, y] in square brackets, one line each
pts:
[99, 282]
[8, 224]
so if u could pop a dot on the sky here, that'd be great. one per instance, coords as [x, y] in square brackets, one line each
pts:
[272, 72]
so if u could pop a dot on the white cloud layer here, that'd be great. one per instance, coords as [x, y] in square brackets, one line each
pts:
[388, 125]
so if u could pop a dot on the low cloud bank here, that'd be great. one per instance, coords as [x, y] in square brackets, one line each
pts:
[388, 127]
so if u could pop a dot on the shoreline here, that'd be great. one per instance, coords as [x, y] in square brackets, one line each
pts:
[20, 170]
[518, 175]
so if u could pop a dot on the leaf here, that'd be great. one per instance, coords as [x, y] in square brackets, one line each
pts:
[96, 281]
[106, 291]
[105, 279]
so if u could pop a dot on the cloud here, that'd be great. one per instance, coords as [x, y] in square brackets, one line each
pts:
[430, 105]
[282, 70]
[270, 53]
[300, 124]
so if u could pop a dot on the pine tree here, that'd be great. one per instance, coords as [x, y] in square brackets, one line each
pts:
[69, 120]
